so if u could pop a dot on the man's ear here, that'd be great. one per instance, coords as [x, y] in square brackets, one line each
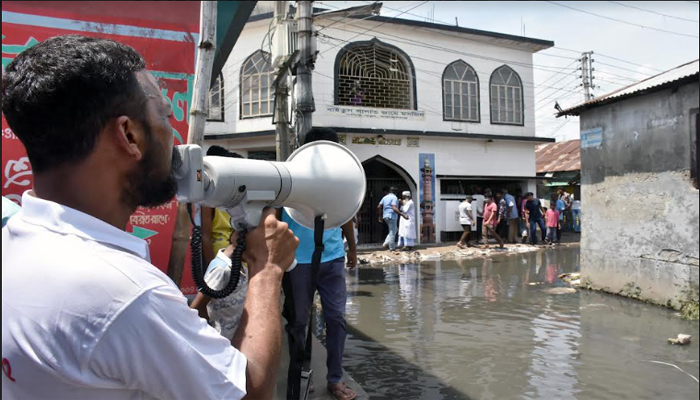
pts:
[129, 136]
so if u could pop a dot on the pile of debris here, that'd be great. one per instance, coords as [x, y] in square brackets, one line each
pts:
[441, 253]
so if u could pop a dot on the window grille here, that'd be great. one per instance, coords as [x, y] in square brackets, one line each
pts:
[461, 93]
[257, 94]
[373, 75]
[506, 97]
[216, 101]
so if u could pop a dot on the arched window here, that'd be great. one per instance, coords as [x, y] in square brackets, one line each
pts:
[216, 101]
[257, 76]
[506, 97]
[460, 87]
[374, 74]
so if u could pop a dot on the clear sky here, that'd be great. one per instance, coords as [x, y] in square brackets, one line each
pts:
[645, 50]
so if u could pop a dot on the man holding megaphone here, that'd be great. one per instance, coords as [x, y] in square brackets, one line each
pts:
[85, 315]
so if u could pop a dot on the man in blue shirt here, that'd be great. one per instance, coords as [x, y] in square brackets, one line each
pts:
[388, 210]
[561, 207]
[302, 282]
[534, 217]
[511, 215]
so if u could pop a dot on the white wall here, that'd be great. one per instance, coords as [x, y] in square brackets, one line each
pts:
[429, 65]
[453, 156]
[249, 42]
[428, 84]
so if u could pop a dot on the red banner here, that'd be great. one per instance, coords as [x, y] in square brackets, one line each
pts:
[166, 40]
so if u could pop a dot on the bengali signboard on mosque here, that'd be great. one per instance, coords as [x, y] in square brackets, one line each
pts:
[381, 113]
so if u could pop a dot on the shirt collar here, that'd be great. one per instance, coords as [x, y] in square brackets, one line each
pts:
[65, 220]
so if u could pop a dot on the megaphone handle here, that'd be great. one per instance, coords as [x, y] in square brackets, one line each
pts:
[291, 267]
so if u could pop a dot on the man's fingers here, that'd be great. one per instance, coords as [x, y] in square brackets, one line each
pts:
[266, 213]
[234, 237]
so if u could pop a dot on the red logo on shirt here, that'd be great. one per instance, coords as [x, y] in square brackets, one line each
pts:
[7, 369]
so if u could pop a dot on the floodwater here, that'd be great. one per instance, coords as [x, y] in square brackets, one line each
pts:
[478, 329]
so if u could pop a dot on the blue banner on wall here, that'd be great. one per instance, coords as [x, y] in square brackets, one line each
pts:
[592, 138]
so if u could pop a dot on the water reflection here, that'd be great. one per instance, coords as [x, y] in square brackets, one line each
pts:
[486, 330]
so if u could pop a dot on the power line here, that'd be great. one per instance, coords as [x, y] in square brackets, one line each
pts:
[623, 68]
[539, 107]
[613, 82]
[344, 17]
[578, 52]
[654, 12]
[631, 63]
[558, 129]
[399, 39]
[419, 44]
[617, 76]
[392, 18]
[560, 72]
[557, 91]
[622, 21]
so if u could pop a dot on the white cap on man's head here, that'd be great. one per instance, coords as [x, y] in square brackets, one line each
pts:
[406, 194]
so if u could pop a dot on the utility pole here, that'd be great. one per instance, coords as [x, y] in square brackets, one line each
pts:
[282, 126]
[202, 77]
[305, 99]
[587, 75]
[198, 117]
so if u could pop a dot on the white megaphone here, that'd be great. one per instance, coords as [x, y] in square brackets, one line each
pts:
[319, 179]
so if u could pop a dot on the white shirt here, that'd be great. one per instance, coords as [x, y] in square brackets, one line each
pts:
[465, 213]
[225, 314]
[479, 200]
[85, 315]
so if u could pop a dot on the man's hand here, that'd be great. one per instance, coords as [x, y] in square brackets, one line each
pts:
[352, 259]
[270, 246]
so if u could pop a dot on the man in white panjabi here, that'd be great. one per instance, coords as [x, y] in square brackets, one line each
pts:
[407, 223]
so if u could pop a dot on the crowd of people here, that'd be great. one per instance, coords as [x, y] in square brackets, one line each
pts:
[515, 219]
[486, 215]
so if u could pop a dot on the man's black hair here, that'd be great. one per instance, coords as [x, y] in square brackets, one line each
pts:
[504, 191]
[386, 189]
[58, 95]
[394, 189]
[217, 151]
[316, 134]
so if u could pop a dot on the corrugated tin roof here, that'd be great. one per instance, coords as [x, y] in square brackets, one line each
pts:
[558, 157]
[682, 72]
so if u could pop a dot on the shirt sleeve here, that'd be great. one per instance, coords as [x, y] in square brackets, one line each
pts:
[160, 346]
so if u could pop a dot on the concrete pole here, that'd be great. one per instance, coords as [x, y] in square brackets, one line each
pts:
[587, 74]
[202, 77]
[282, 127]
[198, 117]
[305, 100]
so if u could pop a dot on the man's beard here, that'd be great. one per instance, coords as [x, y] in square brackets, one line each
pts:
[146, 189]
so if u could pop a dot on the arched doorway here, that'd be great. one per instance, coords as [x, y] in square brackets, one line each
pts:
[380, 173]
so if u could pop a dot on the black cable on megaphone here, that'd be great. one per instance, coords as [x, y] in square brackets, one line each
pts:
[197, 267]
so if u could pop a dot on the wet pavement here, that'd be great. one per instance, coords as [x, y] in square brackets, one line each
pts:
[487, 329]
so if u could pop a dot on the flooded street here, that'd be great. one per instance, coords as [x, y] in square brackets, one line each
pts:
[488, 329]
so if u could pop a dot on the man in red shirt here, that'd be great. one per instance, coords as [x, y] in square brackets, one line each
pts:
[490, 219]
